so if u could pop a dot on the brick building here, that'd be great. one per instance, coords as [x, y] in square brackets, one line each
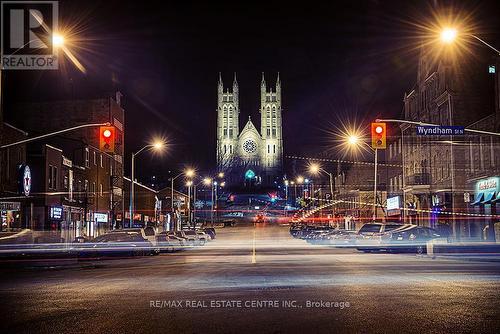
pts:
[455, 91]
[88, 182]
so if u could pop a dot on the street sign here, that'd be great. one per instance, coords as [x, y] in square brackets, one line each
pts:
[328, 196]
[466, 197]
[448, 130]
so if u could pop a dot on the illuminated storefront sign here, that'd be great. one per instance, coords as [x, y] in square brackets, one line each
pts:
[101, 217]
[55, 212]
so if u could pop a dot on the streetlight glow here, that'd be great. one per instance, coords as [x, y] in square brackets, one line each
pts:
[189, 172]
[189, 183]
[448, 35]
[207, 181]
[314, 168]
[221, 175]
[352, 140]
[300, 179]
[158, 145]
[57, 40]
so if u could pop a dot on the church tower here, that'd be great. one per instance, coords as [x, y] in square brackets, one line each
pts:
[227, 123]
[271, 131]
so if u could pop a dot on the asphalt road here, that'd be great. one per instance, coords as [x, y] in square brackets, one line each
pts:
[255, 281]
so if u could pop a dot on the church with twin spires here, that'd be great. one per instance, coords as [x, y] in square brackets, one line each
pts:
[250, 158]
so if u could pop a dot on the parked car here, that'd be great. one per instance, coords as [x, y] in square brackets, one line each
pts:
[370, 235]
[410, 239]
[169, 243]
[193, 236]
[181, 235]
[127, 242]
[203, 236]
[210, 231]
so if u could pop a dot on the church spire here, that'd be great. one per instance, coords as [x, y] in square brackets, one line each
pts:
[278, 83]
[263, 81]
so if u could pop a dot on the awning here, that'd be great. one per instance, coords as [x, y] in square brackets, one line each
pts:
[497, 199]
[478, 200]
[488, 197]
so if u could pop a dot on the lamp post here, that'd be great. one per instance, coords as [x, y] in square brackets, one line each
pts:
[353, 140]
[189, 184]
[157, 146]
[189, 173]
[317, 169]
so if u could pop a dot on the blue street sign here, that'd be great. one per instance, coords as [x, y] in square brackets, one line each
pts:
[447, 130]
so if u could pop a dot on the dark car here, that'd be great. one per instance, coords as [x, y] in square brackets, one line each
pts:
[410, 239]
[117, 243]
[370, 235]
[210, 231]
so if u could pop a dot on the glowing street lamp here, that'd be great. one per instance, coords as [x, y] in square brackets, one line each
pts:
[158, 145]
[448, 35]
[57, 40]
[352, 139]
[188, 173]
[316, 169]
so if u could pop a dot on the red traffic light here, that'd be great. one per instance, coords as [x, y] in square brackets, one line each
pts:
[107, 139]
[379, 135]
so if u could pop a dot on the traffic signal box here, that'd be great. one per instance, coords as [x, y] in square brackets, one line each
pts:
[107, 139]
[379, 135]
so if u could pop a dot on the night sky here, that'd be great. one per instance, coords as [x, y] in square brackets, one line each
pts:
[338, 62]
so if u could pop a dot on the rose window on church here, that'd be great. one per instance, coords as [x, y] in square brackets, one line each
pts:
[249, 146]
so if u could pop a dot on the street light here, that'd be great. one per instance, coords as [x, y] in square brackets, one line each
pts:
[57, 40]
[157, 146]
[353, 141]
[316, 169]
[188, 173]
[448, 35]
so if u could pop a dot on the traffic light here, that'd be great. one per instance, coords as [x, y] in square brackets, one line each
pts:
[107, 139]
[379, 135]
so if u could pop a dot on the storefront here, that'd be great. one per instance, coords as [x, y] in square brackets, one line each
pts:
[485, 206]
[10, 215]
[393, 208]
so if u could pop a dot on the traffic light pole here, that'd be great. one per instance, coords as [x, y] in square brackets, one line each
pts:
[55, 133]
[375, 187]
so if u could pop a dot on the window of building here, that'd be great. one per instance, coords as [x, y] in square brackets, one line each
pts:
[400, 183]
[92, 190]
[268, 132]
[268, 149]
[274, 133]
[231, 133]
[492, 153]
[101, 161]
[87, 157]
[86, 185]
[50, 176]
[100, 190]
[274, 148]
[95, 159]
[65, 182]
[390, 185]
